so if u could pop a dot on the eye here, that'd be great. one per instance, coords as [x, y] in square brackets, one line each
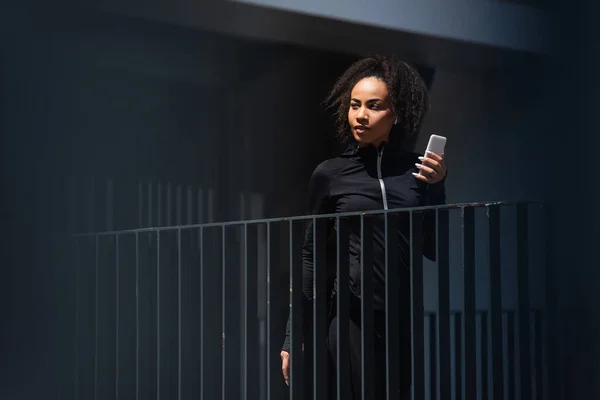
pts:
[375, 106]
[354, 106]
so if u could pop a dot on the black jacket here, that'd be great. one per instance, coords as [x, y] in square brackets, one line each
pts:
[363, 179]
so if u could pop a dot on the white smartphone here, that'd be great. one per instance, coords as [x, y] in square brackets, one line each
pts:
[436, 145]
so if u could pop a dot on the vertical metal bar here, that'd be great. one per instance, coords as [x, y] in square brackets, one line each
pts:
[296, 303]
[202, 315]
[469, 328]
[510, 344]
[319, 227]
[539, 372]
[179, 370]
[137, 317]
[367, 317]
[485, 379]
[97, 283]
[251, 341]
[458, 356]
[246, 317]
[523, 297]
[444, 363]
[392, 299]
[343, 309]
[547, 315]
[223, 311]
[417, 308]
[158, 315]
[76, 301]
[268, 310]
[117, 317]
[553, 388]
[495, 318]
[433, 358]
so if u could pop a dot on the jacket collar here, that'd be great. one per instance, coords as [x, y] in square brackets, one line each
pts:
[354, 150]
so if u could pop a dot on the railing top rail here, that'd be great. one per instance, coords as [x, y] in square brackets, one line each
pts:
[309, 217]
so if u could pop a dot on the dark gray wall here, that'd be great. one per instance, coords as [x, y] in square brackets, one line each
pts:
[120, 100]
[574, 197]
[100, 110]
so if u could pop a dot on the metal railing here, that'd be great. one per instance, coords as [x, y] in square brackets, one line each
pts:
[195, 312]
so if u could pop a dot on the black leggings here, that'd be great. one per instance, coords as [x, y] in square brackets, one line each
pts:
[354, 357]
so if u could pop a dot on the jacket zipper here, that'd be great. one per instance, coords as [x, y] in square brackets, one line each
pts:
[381, 183]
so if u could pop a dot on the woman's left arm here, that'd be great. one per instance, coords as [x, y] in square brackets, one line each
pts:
[433, 172]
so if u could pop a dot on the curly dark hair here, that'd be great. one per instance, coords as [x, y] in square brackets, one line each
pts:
[406, 88]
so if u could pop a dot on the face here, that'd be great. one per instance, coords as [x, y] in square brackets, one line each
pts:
[370, 115]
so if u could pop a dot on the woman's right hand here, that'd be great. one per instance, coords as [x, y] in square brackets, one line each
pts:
[285, 366]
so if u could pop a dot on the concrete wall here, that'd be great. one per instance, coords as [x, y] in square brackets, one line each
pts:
[483, 22]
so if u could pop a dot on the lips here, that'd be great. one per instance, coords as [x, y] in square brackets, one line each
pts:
[360, 128]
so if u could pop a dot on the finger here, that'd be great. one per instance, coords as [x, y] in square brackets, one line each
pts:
[286, 375]
[430, 162]
[438, 167]
[421, 177]
[433, 155]
[425, 169]
[285, 369]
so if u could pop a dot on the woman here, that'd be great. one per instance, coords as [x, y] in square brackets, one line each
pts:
[381, 103]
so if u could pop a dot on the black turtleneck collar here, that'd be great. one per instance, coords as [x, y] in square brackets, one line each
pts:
[353, 149]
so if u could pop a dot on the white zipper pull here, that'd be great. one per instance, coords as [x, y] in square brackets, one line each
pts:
[381, 183]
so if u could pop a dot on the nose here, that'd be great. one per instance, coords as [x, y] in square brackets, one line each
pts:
[362, 115]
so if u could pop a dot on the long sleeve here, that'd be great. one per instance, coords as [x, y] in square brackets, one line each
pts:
[318, 204]
[436, 195]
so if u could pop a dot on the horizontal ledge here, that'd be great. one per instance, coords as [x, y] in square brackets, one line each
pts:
[515, 46]
[485, 22]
